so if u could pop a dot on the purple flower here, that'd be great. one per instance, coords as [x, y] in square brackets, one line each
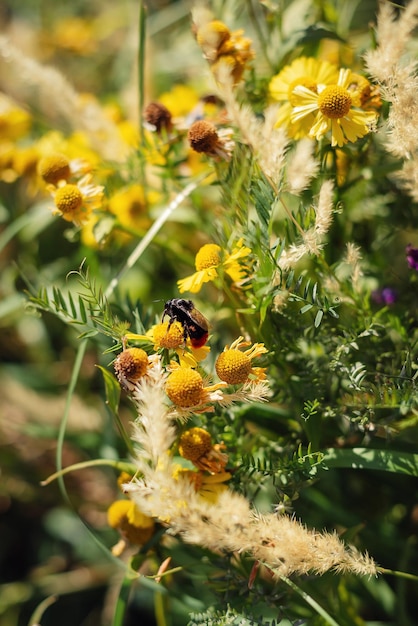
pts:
[386, 296]
[412, 257]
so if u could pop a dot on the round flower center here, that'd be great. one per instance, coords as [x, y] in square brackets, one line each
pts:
[304, 81]
[184, 387]
[334, 101]
[53, 168]
[233, 366]
[194, 443]
[202, 136]
[208, 256]
[131, 364]
[68, 199]
[170, 338]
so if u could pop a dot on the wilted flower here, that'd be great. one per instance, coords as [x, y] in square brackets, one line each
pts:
[158, 116]
[130, 366]
[205, 138]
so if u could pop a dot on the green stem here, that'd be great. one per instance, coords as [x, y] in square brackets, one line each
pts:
[141, 69]
[63, 425]
[309, 600]
[157, 225]
[398, 574]
[119, 465]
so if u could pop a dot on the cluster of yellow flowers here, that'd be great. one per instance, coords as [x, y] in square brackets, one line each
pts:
[188, 393]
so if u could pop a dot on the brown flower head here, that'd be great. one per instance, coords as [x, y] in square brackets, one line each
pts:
[204, 137]
[158, 116]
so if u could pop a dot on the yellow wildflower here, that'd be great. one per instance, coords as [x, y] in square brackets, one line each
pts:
[14, 121]
[130, 206]
[180, 100]
[208, 486]
[185, 388]
[195, 445]
[226, 51]
[134, 526]
[54, 167]
[234, 366]
[74, 202]
[209, 261]
[310, 73]
[333, 109]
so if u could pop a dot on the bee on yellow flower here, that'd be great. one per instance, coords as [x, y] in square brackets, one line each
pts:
[170, 336]
[210, 262]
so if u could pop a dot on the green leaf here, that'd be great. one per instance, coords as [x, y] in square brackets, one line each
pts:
[366, 458]
[112, 389]
[306, 308]
[318, 318]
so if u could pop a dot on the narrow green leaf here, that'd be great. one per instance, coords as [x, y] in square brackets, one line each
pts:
[82, 310]
[306, 290]
[306, 308]
[112, 389]
[365, 458]
[88, 334]
[289, 279]
[122, 601]
[72, 306]
[318, 318]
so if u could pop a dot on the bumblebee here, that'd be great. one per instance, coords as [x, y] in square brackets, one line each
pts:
[195, 325]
